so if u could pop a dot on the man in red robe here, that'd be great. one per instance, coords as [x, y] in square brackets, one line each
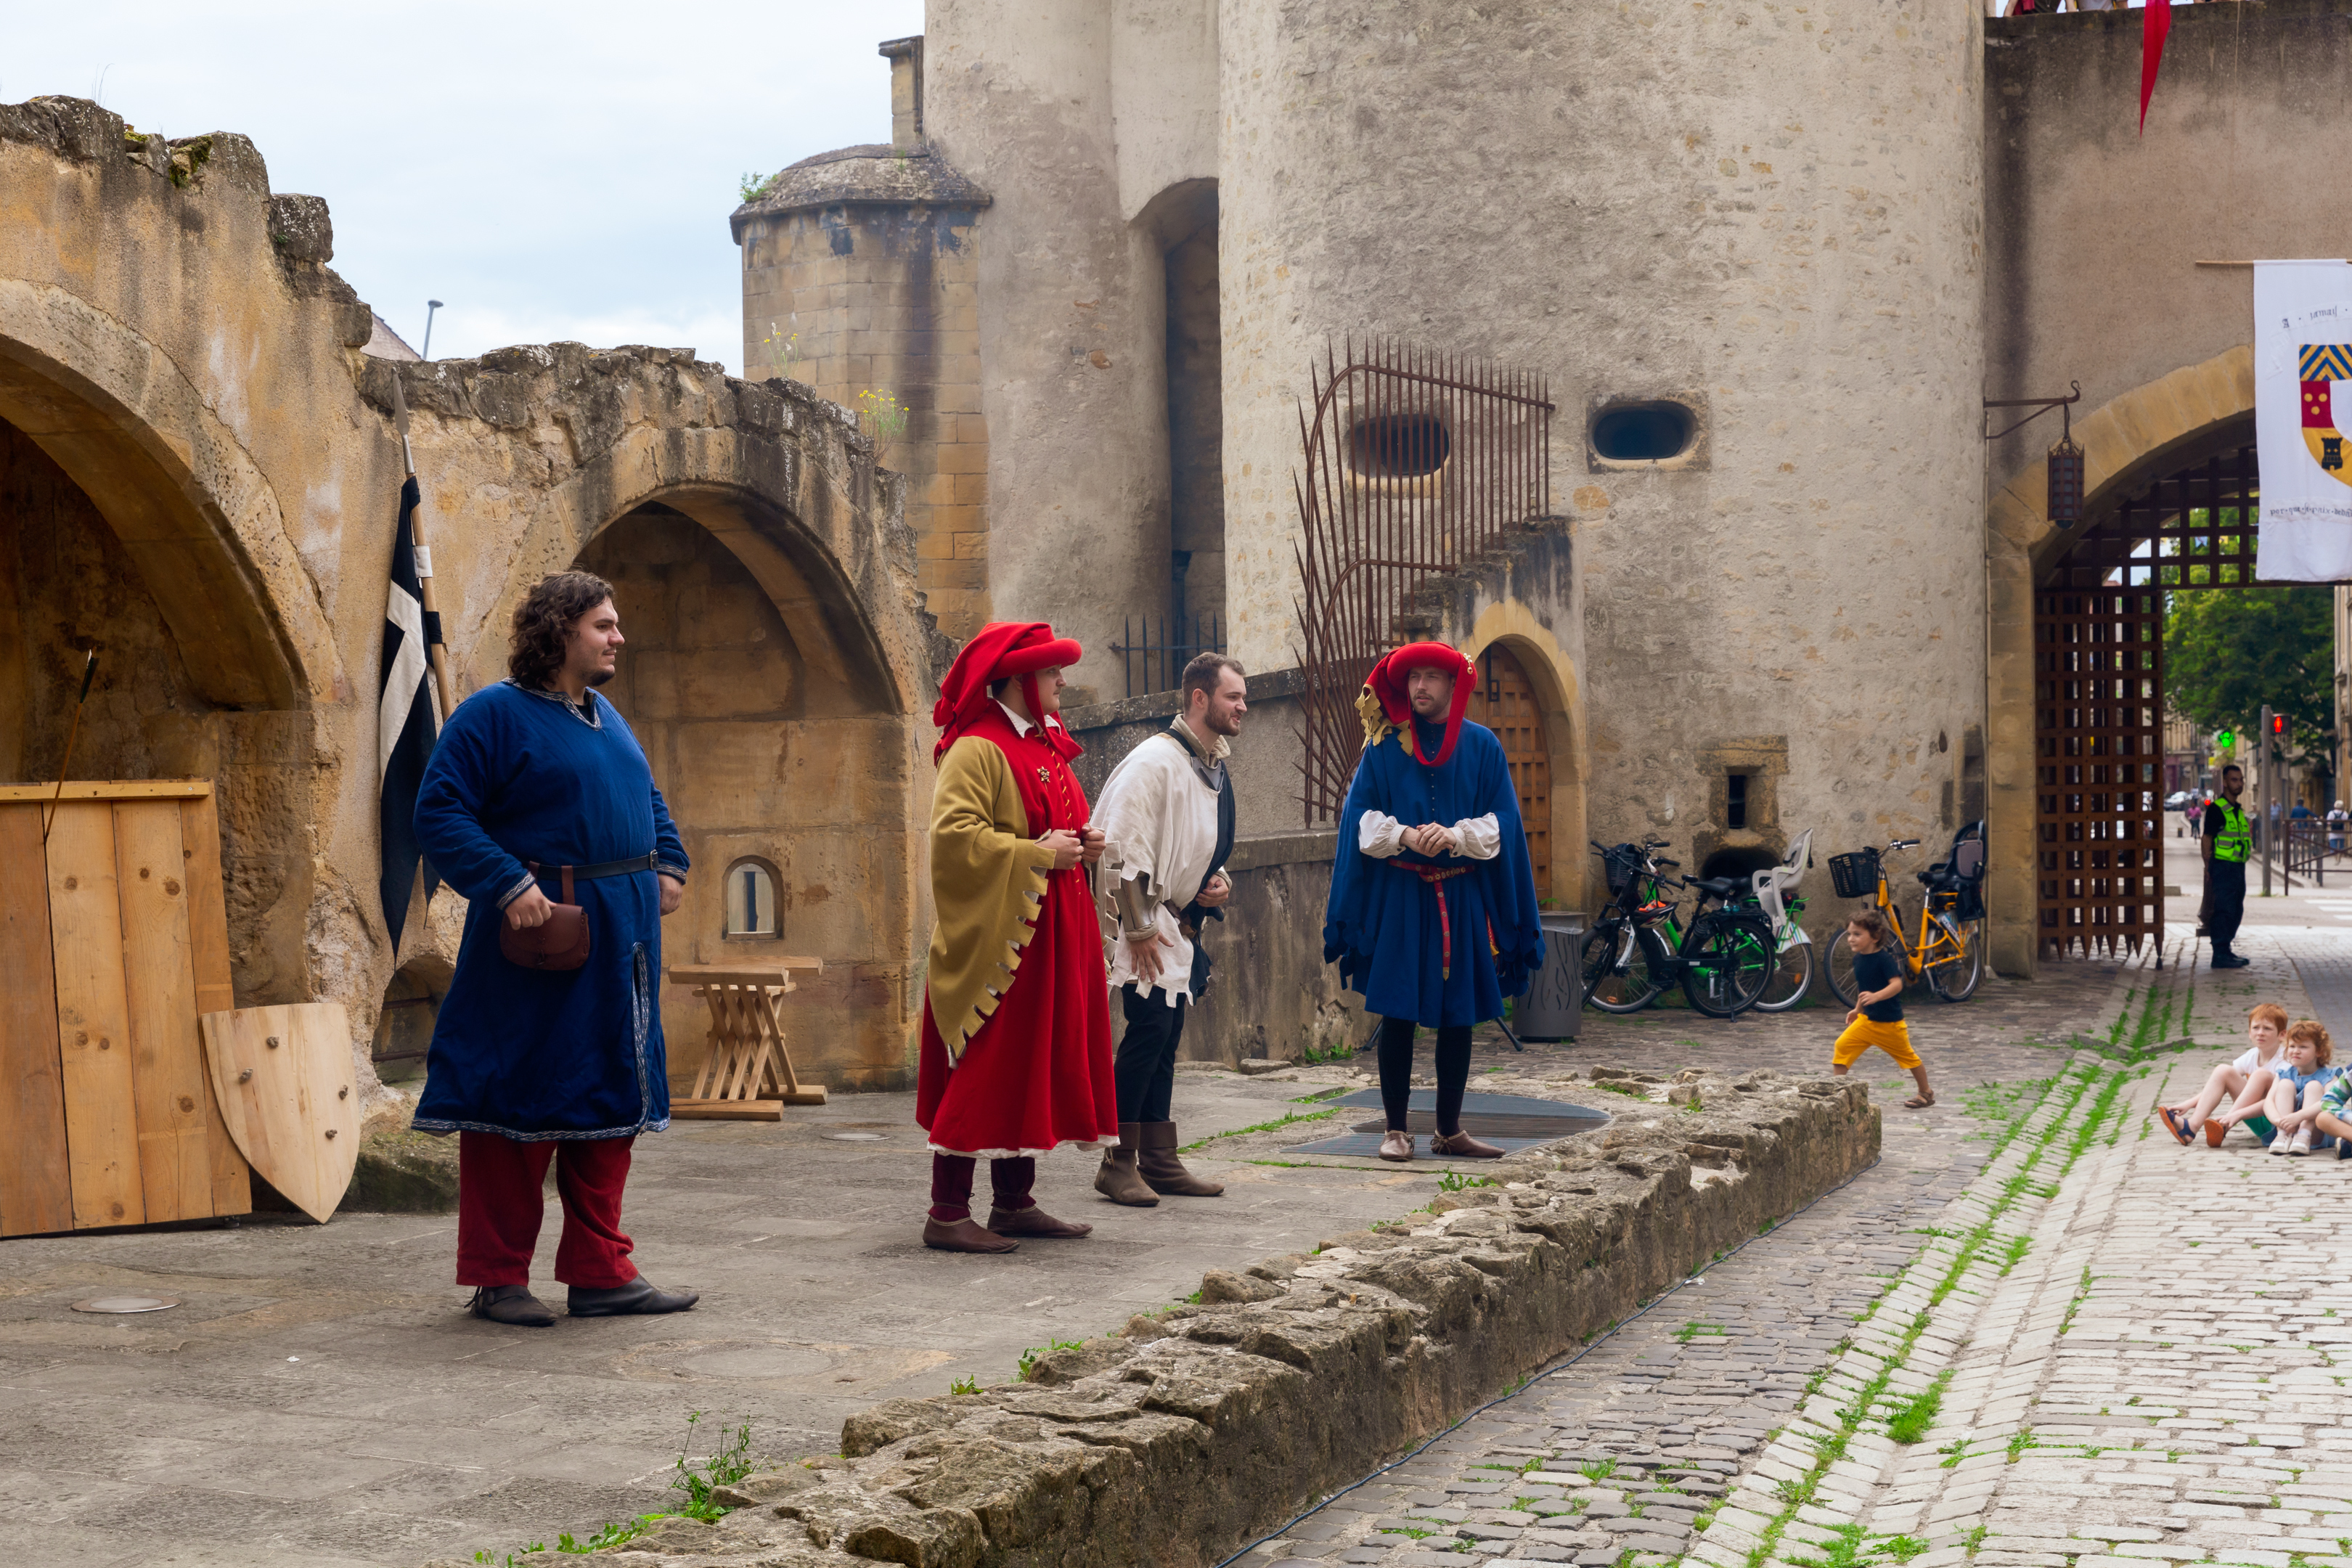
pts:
[1016, 1047]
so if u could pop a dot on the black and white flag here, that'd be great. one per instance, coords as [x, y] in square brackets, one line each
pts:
[408, 715]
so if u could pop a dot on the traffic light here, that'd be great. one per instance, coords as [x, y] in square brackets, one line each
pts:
[2278, 725]
[2225, 739]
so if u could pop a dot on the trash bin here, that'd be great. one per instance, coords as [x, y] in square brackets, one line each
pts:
[1555, 997]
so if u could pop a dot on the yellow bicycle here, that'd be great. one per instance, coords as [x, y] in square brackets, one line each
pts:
[1950, 948]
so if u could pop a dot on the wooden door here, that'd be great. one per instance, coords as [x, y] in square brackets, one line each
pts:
[114, 944]
[1506, 703]
[2098, 734]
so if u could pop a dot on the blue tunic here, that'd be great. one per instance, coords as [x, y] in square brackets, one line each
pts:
[1382, 926]
[519, 775]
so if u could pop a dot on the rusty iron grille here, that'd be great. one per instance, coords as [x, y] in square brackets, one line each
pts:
[1416, 465]
[1157, 665]
[2098, 654]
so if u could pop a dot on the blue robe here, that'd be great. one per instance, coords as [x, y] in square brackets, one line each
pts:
[1382, 926]
[528, 1053]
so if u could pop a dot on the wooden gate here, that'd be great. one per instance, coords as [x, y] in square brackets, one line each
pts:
[1506, 703]
[107, 1115]
[2098, 672]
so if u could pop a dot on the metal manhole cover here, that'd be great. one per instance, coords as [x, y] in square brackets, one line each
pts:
[125, 1304]
[854, 1137]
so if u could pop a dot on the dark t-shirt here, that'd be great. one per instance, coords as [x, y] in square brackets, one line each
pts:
[2214, 821]
[1871, 971]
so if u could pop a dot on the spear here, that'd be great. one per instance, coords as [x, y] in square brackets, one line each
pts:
[89, 672]
[434, 648]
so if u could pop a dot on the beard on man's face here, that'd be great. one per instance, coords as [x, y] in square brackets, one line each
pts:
[602, 675]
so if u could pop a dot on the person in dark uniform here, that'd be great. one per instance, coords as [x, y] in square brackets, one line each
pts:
[2226, 842]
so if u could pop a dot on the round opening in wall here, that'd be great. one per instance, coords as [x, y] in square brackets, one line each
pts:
[1643, 432]
[1399, 446]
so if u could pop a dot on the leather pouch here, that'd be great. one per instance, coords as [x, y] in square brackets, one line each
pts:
[559, 942]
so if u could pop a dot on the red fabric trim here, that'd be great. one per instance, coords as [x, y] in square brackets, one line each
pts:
[1387, 681]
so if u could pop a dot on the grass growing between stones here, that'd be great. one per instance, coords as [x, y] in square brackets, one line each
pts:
[694, 1479]
[1295, 1116]
[2085, 1101]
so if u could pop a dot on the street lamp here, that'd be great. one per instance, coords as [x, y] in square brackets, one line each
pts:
[430, 306]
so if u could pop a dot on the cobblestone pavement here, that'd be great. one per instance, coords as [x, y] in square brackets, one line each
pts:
[2039, 1332]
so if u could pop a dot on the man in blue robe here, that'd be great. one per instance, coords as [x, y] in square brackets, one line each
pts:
[1433, 909]
[533, 777]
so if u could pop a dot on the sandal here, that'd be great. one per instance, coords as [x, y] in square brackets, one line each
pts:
[1920, 1102]
[2177, 1125]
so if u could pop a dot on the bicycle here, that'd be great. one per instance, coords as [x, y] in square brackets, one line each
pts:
[1949, 951]
[1723, 961]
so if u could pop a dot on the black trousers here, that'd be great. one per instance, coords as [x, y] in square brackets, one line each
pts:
[1396, 1073]
[2227, 880]
[1145, 1067]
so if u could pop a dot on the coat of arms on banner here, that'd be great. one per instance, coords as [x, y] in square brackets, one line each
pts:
[2319, 367]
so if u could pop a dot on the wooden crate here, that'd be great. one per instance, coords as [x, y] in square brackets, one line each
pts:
[113, 937]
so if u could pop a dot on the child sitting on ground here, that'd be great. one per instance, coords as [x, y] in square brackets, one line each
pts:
[2299, 1088]
[1877, 1015]
[2235, 1082]
[2334, 1121]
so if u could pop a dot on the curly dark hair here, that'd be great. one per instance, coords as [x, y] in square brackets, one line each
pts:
[544, 619]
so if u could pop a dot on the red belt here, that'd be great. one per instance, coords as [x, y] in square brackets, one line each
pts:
[1432, 876]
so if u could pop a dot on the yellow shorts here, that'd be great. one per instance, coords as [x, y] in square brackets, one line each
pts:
[1893, 1039]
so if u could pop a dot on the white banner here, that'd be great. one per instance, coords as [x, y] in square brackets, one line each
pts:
[2302, 369]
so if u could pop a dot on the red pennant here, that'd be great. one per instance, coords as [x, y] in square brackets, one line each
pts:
[2155, 23]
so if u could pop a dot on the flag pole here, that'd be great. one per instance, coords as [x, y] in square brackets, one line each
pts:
[434, 648]
[89, 672]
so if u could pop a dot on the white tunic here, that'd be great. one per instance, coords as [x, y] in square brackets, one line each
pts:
[1159, 820]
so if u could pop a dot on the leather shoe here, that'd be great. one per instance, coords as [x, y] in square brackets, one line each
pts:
[1162, 1171]
[512, 1305]
[639, 1295]
[1033, 1221]
[1462, 1146]
[964, 1236]
[1397, 1145]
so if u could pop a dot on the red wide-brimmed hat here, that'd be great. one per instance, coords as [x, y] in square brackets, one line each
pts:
[1001, 650]
[1385, 687]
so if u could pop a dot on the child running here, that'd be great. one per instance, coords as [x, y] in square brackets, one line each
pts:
[2299, 1088]
[2234, 1081]
[1877, 1015]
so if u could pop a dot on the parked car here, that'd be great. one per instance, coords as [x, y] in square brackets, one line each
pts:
[2180, 800]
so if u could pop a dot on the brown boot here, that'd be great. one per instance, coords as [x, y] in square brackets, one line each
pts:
[1033, 1221]
[1162, 1171]
[1118, 1179]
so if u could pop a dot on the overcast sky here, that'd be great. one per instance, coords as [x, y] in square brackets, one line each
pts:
[548, 172]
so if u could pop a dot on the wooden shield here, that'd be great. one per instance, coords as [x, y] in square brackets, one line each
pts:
[284, 1080]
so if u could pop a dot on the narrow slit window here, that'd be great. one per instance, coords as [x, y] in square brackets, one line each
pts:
[1734, 797]
[751, 891]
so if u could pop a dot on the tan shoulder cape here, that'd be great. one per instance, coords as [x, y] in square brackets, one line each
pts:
[987, 876]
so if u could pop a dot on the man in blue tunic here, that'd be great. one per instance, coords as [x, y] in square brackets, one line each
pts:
[536, 783]
[1432, 910]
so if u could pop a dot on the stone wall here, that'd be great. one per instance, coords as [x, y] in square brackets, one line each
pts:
[1176, 1440]
[174, 344]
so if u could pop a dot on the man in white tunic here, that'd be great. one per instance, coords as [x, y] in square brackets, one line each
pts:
[1166, 817]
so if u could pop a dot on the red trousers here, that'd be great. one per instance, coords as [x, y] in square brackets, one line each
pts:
[499, 1207]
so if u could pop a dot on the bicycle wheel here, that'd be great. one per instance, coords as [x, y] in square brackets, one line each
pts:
[1838, 970]
[1613, 990]
[1792, 978]
[1956, 976]
[1726, 966]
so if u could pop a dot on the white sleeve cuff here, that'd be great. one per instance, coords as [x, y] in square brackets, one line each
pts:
[1380, 836]
[1481, 836]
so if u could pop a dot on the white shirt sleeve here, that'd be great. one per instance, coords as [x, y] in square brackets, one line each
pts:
[1481, 836]
[1380, 836]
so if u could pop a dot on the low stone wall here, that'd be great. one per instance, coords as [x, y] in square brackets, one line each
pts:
[1196, 1428]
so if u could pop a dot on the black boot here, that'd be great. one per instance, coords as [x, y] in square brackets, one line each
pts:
[512, 1305]
[639, 1295]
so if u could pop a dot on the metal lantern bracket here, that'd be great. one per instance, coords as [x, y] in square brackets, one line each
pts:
[2040, 406]
[2064, 491]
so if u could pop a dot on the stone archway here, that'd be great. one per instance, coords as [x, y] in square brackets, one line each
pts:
[1551, 676]
[2125, 442]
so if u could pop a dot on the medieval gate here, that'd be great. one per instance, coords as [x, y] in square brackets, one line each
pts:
[2098, 661]
[1506, 703]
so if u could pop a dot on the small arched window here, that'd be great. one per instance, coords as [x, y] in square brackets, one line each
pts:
[750, 894]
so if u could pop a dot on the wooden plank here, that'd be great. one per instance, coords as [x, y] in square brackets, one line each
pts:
[729, 1109]
[35, 1194]
[111, 789]
[167, 1064]
[285, 1080]
[232, 1179]
[93, 1017]
[762, 972]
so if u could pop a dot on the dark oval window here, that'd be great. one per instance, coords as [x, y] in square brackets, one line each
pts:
[1643, 432]
[1399, 446]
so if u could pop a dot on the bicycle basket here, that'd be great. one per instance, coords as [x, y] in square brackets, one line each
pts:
[1855, 876]
[1622, 865]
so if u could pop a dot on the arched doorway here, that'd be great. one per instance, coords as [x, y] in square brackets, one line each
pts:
[782, 759]
[1506, 703]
